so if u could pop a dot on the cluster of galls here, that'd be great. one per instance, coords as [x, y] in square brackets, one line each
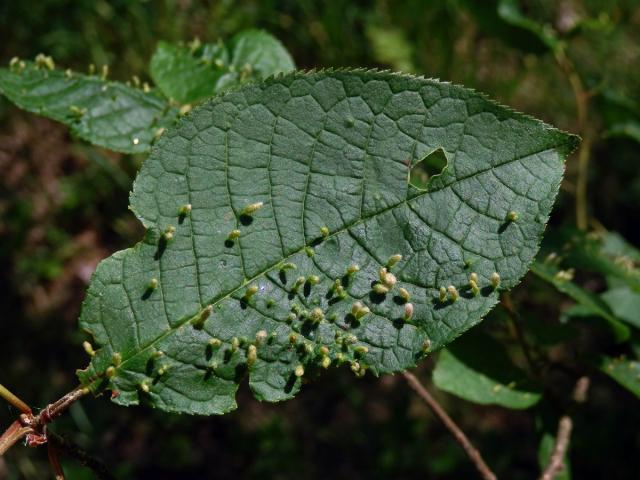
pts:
[386, 283]
[451, 294]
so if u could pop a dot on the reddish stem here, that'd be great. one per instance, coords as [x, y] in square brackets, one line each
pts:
[12, 435]
[54, 461]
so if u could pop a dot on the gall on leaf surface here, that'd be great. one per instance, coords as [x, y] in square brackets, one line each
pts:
[326, 156]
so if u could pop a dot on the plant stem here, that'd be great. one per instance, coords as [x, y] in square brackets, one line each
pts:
[582, 110]
[12, 435]
[514, 317]
[36, 424]
[83, 458]
[458, 434]
[582, 219]
[555, 465]
[14, 400]
[565, 426]
[54, 461]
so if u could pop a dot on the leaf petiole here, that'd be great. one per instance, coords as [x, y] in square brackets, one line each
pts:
[14, 400]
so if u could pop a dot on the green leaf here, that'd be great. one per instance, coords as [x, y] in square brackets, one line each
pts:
[105, 113]
[624, 303]
[625, 372]
[477, 368]
[589, 303]
[191, 73]
[629, 130]
[608, 254]
[263, 53]
[504, 20]
[391, 47]
[510, 12]
[185, 77]
[328, 154]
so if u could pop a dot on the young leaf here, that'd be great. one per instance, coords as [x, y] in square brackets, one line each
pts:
[105, 113]
[609, 254]
[477, 368]
[263, 53]
[188, 74]
[588, 303]
[625, 372]
[280, 217]
[624, 303]
[504, 20]
[184, 76]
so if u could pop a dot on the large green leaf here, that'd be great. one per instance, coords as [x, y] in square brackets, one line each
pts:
[329, 155]
[191, 73]
[477, 368]
[109, 114]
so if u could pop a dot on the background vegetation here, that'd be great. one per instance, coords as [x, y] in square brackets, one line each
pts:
[63, 207]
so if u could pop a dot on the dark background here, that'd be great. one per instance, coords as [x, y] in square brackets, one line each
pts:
[63, 207]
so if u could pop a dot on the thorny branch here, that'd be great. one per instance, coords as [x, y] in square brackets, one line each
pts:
[471, 451]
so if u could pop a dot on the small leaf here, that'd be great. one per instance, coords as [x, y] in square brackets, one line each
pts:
[589, 303]
[624, 303]
[105, 113]
[608, 254]
[187, 75]
[262, 52]
[477, 368]
[503, 19]
[510, 12]
[625, 372]
[391, 47]
[326, 151]
[629, 130]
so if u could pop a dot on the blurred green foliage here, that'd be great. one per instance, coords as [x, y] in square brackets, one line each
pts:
[63, 207]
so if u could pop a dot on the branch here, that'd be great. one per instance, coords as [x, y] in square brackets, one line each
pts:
[34, 427]
[565, 426]
[458, 434]
[72, 450]
[582, 97]
[556, 459]
[514, 317]
[54, 461]
[14, 400]
[12, 435]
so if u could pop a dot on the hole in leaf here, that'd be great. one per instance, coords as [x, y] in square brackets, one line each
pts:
[427, 168]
